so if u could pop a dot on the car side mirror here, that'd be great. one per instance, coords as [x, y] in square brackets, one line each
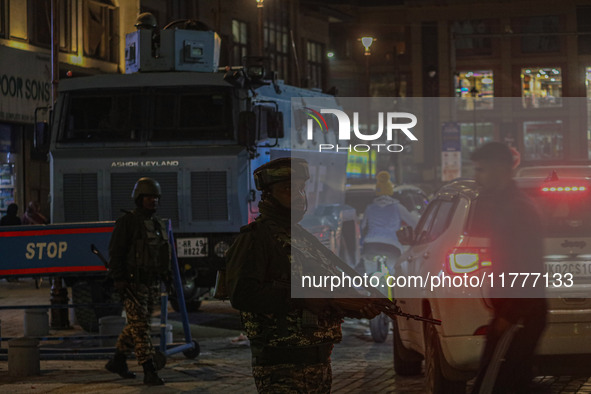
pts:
[275, 124]
[41, 135]
[247, 128]
[406, 235]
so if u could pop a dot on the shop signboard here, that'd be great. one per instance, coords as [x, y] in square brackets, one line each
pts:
[25, 84]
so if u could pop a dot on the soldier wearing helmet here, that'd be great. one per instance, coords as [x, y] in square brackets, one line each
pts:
[139, 259]
[291, 340]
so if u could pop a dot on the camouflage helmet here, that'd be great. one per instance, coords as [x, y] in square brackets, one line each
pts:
[280, 170]
[146, 186]
[146, 20]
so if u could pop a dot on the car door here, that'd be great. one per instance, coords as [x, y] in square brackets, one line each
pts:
[426, 255]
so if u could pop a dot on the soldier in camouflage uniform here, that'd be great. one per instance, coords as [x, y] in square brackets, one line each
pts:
[291, 339]
[139, 258]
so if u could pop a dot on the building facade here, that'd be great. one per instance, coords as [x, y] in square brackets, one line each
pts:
[476, 51]
[89, 43]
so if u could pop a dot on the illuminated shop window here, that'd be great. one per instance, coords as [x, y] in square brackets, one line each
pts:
[543, 140]
[541, 87]
[475, 89]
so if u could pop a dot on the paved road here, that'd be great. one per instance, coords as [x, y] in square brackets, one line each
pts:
[359, 364]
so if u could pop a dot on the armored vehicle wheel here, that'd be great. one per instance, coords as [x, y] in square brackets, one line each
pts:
[93, 292]
[192, 353]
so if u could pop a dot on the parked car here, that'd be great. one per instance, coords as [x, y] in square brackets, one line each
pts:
[446, 237]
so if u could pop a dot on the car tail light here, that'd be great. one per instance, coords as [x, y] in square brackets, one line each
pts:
[554, 186]
[564, 189]
[466, 260]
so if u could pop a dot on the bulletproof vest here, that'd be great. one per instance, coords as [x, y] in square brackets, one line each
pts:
[149, 256]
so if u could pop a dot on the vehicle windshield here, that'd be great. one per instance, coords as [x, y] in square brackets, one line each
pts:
[109, 115]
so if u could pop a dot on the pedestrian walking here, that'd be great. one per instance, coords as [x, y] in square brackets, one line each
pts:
[11, 218]
[33, 214]
[509, 218]
[291, 340]
[140, 258]
[381, 219]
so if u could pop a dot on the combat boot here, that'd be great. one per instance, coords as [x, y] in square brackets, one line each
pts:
[118, 365]
[151, 377]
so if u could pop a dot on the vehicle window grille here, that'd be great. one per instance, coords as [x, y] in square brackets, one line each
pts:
[122, 186]
[209, 195]
[80, 197]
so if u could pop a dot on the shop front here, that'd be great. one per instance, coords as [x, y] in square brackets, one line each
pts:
[25, 85]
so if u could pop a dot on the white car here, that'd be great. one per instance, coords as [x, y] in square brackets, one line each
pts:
[571, 171]
[446, 240]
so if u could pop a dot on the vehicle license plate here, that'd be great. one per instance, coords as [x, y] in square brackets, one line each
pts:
[191, 247]
[579, 269]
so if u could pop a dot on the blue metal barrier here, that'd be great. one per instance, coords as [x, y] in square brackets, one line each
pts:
[53, 249]
[65, 249]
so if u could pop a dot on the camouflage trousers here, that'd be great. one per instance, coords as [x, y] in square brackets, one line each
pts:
[293, 379]
[138, 300]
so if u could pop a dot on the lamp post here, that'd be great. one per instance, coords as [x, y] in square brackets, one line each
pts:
[367, 41]
[474, 93]
[260, 25]
[59, 293]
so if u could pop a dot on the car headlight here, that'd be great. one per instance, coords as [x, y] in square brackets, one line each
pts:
[221, 248]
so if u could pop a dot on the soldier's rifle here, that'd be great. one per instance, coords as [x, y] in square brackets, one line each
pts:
[352, 306]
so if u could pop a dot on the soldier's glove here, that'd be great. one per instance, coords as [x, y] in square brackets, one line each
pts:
[120, 285]
[369, 311]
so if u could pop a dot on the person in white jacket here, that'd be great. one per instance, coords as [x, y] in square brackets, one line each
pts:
[381, 220]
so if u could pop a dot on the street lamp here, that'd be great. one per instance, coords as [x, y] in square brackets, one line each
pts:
[260, 25]
[367, 41]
